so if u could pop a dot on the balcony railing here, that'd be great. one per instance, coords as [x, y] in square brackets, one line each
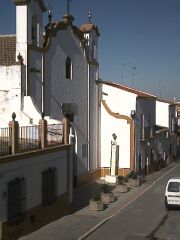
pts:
[15, 139]
[4, 141]
[29, 138]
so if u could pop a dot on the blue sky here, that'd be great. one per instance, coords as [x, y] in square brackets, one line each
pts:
[141, 34]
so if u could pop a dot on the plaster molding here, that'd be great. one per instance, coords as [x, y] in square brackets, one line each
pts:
[116, 115]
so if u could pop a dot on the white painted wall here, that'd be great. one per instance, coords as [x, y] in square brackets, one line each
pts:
[110, 125]
[21, 31]
[119, 100]
[10, 93]
[162, 114]
[34, 166]
[60, 90]
[122, 102]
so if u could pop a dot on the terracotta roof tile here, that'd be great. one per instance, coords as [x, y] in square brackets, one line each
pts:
[87, 27]
[7, 50]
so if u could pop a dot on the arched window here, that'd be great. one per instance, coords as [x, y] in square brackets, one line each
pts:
[35, 30]
[68, 68]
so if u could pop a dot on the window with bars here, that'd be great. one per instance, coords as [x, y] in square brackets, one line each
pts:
[16, 198]
[49, 183]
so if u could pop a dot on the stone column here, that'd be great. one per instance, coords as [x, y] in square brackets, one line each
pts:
[113, 156]
[13, 136]
[43, 133]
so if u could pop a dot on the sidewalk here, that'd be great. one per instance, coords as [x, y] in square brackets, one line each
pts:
[83, 221]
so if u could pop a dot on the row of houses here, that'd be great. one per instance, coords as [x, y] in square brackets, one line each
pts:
[145, 126]
[51, 78]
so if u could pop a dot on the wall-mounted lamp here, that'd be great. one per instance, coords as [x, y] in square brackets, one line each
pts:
[133, 113]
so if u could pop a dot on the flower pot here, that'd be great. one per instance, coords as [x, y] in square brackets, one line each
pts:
[107, 197]
[122, 188]
[96, 205]
[135, 182]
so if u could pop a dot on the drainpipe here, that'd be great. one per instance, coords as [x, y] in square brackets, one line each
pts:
[88, 122]
[42, 84]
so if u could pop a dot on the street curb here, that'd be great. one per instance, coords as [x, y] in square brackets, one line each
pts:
[125, 206]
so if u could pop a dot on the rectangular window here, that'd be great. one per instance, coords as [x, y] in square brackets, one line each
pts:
[49, 183]
[16, 198]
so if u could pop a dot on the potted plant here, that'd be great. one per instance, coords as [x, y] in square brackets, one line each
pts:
[136, 179]
[107, 195]
[122, 186]
[95, 203]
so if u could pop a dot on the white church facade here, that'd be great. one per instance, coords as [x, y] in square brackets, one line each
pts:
[53, 74]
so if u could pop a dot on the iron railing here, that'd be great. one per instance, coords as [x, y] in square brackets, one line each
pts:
[4, 142]
[29, 138]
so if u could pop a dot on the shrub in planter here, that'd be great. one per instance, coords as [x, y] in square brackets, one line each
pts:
[107, 195]
[136, 179]
[95, 203]
[122, 186]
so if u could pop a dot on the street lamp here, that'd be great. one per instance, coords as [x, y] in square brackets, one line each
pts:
[133, 73]
[123, 64]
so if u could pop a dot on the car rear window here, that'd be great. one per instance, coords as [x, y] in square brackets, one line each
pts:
[174, 187]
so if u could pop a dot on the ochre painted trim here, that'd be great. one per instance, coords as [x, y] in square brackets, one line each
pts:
[116, 115]
[20, 156]
[105, 171]
[129, 121]
[88, 177]
[121, 171]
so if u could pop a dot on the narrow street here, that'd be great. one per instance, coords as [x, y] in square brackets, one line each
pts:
[145, 218]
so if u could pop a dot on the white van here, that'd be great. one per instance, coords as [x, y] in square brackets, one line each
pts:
[172, 193]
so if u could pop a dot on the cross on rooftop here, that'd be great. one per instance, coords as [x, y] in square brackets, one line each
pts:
[68, 6]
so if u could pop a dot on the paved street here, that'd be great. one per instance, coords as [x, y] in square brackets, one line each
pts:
[146, 218]
[136, 215]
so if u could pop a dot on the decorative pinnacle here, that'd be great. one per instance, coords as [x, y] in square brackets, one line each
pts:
[89, 16]
[13, 116]
[20, 58]
[49, 15]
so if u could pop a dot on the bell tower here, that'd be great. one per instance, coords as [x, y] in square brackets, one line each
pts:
[29, 25]
[91, 34]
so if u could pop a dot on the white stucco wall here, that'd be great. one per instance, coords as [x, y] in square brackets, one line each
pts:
[21, 31]
[162, 114]
[60, 90]
[31, 169]
[122, 102]
[119, 100]
[110, 125]
[10, 93]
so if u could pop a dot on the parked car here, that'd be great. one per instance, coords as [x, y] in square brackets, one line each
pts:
[172, 193]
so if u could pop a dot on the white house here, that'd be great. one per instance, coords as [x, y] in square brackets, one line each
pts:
[166, 117]
[121, 113]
